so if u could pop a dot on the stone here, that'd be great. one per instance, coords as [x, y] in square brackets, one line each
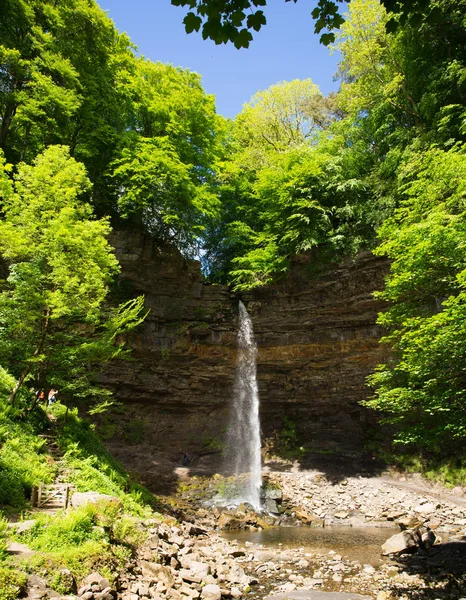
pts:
[237, 575]
[271, 493]
[211, 592]
[400, 543]
[425, 509]
[106, 594]
[428, 539]
[303, 563]
[83, 589]
[82, 498]
[143, 589]
[161, 573]
[87, 595]
[237, 553]
[194, 530]
[199, 569]
[304, 516]
[22, 526]
[188, 575]
[270, 505]
[17, 548]
[96, 579]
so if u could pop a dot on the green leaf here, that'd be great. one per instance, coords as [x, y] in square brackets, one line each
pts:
[192, 22]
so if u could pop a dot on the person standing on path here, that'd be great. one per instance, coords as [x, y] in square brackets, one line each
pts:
[52, 398]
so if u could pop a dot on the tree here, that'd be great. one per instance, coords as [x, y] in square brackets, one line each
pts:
[286, 188]
[403, 85]
[232, 20]
[422, 389]
[53, 321]
[162, 171]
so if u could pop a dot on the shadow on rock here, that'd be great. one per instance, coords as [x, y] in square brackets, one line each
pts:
[338, 466]
[442, 570]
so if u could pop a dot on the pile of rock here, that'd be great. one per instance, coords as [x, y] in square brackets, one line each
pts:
[183, 563]
[96, 587]
[360, 501]
[244, 517]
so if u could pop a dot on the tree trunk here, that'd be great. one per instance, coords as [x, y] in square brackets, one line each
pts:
[7, 118]
[27, 369]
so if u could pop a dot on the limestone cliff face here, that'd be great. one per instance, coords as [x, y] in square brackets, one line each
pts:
[317, 342]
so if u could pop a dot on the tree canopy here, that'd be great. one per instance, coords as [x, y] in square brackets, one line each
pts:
[95, 136]
[233, 21]
[54, 329]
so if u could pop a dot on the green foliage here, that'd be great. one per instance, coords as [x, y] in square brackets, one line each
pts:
[288, 434]
[134, 431]
[289, 187]
[226, 21]
[12, 583]
[213, 444]
[23, 462]
[234, 20]
[422, 388]
[90, 92]
[3, 536]
[92, 537]
[60, 264]
[93, 468]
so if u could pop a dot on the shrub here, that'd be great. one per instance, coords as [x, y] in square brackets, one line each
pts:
[12, 583]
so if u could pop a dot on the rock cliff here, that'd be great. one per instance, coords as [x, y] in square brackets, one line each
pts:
[317, 341]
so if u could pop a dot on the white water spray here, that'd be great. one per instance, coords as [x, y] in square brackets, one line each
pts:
[244, 432]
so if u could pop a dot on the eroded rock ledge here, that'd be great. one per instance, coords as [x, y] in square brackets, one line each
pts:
[317, 339]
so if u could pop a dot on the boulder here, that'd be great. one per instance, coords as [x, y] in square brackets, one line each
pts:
[405, 542]
[17, 548]
[211, 592]
[96, 579]
[162, 574]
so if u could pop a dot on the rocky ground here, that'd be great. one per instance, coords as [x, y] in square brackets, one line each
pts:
[190, 560]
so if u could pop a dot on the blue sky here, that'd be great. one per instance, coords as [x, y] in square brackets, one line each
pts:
[285, 49]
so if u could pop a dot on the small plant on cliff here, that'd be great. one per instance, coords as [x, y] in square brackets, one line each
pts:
[134, 431]
[288, 435]
[213, 444]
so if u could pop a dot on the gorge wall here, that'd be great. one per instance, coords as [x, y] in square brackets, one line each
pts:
[317, 342]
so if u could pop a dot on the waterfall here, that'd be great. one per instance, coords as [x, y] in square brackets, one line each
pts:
[244, 432]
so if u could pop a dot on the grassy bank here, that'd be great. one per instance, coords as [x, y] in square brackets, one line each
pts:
[73, 542]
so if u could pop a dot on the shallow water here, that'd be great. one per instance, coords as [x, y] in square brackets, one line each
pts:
[355, 543]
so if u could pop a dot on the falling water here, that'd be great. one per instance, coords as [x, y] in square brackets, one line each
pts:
[244, 432]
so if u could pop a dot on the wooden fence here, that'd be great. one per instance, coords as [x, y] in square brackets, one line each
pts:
[56, 495]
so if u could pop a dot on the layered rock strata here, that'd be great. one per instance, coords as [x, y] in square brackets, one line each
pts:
[317, 340]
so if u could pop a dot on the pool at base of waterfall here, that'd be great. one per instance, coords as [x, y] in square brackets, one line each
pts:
[360, 544]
